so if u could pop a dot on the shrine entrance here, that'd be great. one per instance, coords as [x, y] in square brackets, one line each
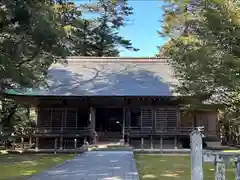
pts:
[109, 119]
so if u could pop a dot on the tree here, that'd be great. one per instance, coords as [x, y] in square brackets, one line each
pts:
[33, 35]
[32, 39]
[101, 32]
[208, 44]
[204, 50]
[17, 118]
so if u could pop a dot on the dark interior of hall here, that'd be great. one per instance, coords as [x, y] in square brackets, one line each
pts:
[109, 119]
[135, 117]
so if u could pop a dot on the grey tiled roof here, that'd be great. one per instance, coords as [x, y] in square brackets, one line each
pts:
[89, 76]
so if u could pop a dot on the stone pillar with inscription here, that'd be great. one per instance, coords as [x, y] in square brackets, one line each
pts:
[196, 155]
[238, 168]
[220, 168]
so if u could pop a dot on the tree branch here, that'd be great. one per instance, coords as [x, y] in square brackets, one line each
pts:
[35, 54]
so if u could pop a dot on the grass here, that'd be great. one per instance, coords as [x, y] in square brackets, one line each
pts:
[157, 167]
[20, 166]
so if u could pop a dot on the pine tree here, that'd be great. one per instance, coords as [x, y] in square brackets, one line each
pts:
[101, 32]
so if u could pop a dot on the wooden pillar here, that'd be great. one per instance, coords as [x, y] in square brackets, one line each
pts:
[51, 117]
[195, 119]
[142, 143]
[161, 144]
[126, 117]
[63, 119]
[95, 137]
[151, 142]
[123, 125]
[37, 143]
[55, 145]
[141, 119]
[175, 142]
[1, 127]
[75, 145]
[37, 111]
[129, 118]
[61, 143]
[22, 142]
[30, 140]
[178, 124]
[154, 117]
[92, 118]
[77, 119]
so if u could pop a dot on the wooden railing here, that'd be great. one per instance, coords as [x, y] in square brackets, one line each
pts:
[109, 133]
[164, 131]
[62, 130]
[131, 131]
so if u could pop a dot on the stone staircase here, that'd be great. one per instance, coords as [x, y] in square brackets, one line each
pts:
[109, 145]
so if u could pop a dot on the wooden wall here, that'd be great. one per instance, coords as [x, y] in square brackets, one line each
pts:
[75, 114]
[208, 119]
[55, 118]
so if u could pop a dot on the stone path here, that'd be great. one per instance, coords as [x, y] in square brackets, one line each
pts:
[94, 165]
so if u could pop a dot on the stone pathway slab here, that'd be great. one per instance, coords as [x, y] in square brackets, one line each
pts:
[94, 165]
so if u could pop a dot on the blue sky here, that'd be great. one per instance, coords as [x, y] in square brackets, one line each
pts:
[142, 28]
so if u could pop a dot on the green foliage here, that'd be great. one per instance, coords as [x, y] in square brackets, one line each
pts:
[32, 37]
[204, 50]
[31, 40]
[17, 118]
[36, 34]
[101, 32]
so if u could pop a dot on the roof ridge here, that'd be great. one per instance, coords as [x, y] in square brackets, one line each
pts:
[107, 57]
[80, 59]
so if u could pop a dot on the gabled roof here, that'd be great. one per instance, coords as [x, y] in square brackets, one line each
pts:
[108, 76]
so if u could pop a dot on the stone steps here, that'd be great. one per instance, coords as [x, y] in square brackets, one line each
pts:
[109, 147]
